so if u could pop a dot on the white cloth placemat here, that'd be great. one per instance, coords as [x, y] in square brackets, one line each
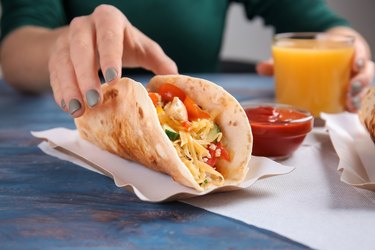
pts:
[310, 205]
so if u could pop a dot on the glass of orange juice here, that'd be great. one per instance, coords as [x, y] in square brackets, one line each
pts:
[312, 70]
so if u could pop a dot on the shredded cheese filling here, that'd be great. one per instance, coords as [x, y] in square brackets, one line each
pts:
[191, 147]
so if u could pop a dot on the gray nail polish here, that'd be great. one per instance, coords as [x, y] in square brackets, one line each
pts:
[74, 106]
[110, 74]
[92, 97]
[356, 87]
[63, 104]
[356, 102]
[360, 63]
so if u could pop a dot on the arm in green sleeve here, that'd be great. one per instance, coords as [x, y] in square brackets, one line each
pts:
[42, 13]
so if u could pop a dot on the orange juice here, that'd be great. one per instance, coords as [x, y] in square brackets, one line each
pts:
[312, 73]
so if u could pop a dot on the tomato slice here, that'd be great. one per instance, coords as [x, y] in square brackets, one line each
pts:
[194, 111]
[169, 91]
[186, 125]
[224, 152]
[211, 161]
[154, 98]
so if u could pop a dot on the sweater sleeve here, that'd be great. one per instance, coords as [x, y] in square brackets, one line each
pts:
[43, 13]
[294, 16]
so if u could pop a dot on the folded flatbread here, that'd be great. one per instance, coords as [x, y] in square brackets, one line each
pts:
[127, 124]
[367, 111]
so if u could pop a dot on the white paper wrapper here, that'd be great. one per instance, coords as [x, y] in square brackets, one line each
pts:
[354, 147]
[147, 184]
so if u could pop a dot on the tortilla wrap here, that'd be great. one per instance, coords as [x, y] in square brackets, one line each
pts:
[367, 111]
[127, 124]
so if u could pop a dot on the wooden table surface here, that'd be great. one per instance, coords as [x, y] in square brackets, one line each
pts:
[47, 203]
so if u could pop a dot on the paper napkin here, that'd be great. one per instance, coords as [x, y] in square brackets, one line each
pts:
[147, 184]
[354, 147]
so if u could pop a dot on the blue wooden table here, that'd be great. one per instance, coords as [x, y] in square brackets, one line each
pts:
[47, 203]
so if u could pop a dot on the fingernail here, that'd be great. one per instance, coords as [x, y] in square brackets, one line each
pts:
[360, 63]
[110, 74]
[92, 97]
[74, 106]
[356, 102]
[356, 87]
[63, 104]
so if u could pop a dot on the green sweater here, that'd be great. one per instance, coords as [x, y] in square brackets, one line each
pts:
[189, 31]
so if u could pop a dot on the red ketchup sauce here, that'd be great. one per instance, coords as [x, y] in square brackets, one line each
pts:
[277, 131]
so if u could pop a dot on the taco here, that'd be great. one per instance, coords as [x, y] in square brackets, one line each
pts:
[188, 128]
[367, 111]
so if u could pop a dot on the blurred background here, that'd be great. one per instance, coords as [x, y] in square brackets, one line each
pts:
[250, 40]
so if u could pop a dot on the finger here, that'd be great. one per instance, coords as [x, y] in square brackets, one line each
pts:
[52, 68]
[360, 56]
[65, 80]
[140, 50]
[83, 57]
[109, 25]
[58, 96]
[354, 102]
[265, 68]
[358, 86]
[362, 79]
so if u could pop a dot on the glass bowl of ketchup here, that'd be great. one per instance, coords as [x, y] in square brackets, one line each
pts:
[278, 129]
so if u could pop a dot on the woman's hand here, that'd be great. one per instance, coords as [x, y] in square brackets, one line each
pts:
[104, 40]
[362, 68]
